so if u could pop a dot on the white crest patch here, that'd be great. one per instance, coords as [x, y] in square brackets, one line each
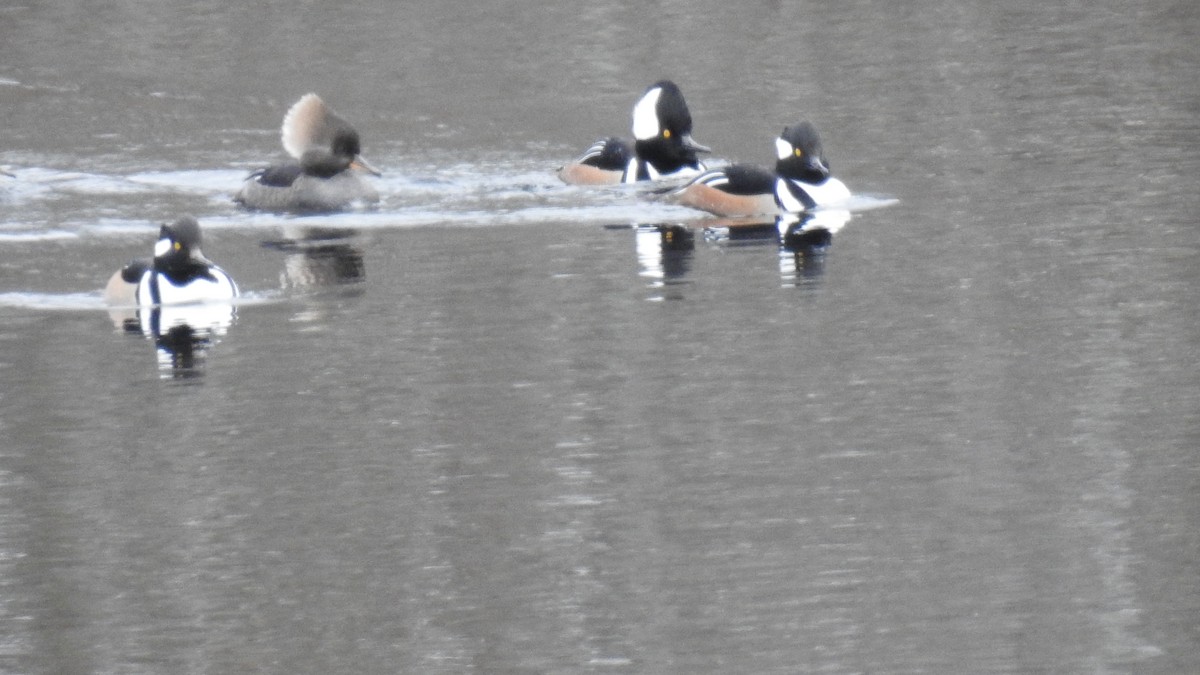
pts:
[162, 247]
[783, 149]
[645, 116]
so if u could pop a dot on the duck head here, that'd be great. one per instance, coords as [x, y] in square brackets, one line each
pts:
[662, 128]
[799, 154]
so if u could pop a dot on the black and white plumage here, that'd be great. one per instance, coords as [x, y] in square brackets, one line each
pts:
[662, 145]
[602, 163]
[178, 274]
[327, 172]
[178, 287]
[800, 181]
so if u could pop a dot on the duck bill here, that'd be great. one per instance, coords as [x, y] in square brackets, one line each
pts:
[691, 144]
[361, 164]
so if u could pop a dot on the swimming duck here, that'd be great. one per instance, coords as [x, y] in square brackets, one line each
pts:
[327, 173]
[178, 274]
[178, 298]
[662, 147]
[801, 181]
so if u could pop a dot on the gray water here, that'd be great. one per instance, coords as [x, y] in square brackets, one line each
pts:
[501, 425]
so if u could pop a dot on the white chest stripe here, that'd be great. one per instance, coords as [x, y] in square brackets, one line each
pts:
[785, 197]
[832, 191]
[199, 290]
[631, 171]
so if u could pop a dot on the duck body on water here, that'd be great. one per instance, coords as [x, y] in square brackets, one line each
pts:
[801, 181]
[177, 274]
[327, 174]
[662, 146]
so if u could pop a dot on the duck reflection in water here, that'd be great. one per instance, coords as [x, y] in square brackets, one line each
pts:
[178, 298]
[321, 265]
[804, 239]
[180, 347]
[664, 253]
[317, 257]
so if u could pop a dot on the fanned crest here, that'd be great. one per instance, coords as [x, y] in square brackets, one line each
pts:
[311, 125]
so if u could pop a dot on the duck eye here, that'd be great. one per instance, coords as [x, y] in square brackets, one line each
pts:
[799, 152]
[666, 133]
[178, 246]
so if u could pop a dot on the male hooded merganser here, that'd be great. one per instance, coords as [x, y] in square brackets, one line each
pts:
[662, 146]
[325, 176]
[801, 181]
[178, 274]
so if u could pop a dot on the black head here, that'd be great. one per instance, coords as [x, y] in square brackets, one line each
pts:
[344, 153]
[343, 149]
[345, 144]
[178, 244]
[661, 112]
[323, 164]
[662, 127]
[323, 141]
[800, 155]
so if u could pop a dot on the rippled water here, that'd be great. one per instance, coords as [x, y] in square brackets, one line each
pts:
[502, 425]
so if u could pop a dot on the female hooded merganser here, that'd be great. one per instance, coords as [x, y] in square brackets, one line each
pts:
[662, 146]
[801, 181]
[325, 176]
[178, 274]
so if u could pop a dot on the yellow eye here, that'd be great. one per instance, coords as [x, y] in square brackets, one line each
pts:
[178, 246]
[799, 152]
[666, 133]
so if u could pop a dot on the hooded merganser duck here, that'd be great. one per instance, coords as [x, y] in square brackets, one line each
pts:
[662, 147]
[326, 175]
[178, 274]
[800, 181]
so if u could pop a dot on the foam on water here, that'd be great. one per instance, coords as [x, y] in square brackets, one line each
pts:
[32, 235]
[213, 181]
[53, 301]
[868, 202]
[495, 191]
[94, 300]
[113, 227]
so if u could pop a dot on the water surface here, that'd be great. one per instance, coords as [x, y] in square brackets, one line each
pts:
[502, 425]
